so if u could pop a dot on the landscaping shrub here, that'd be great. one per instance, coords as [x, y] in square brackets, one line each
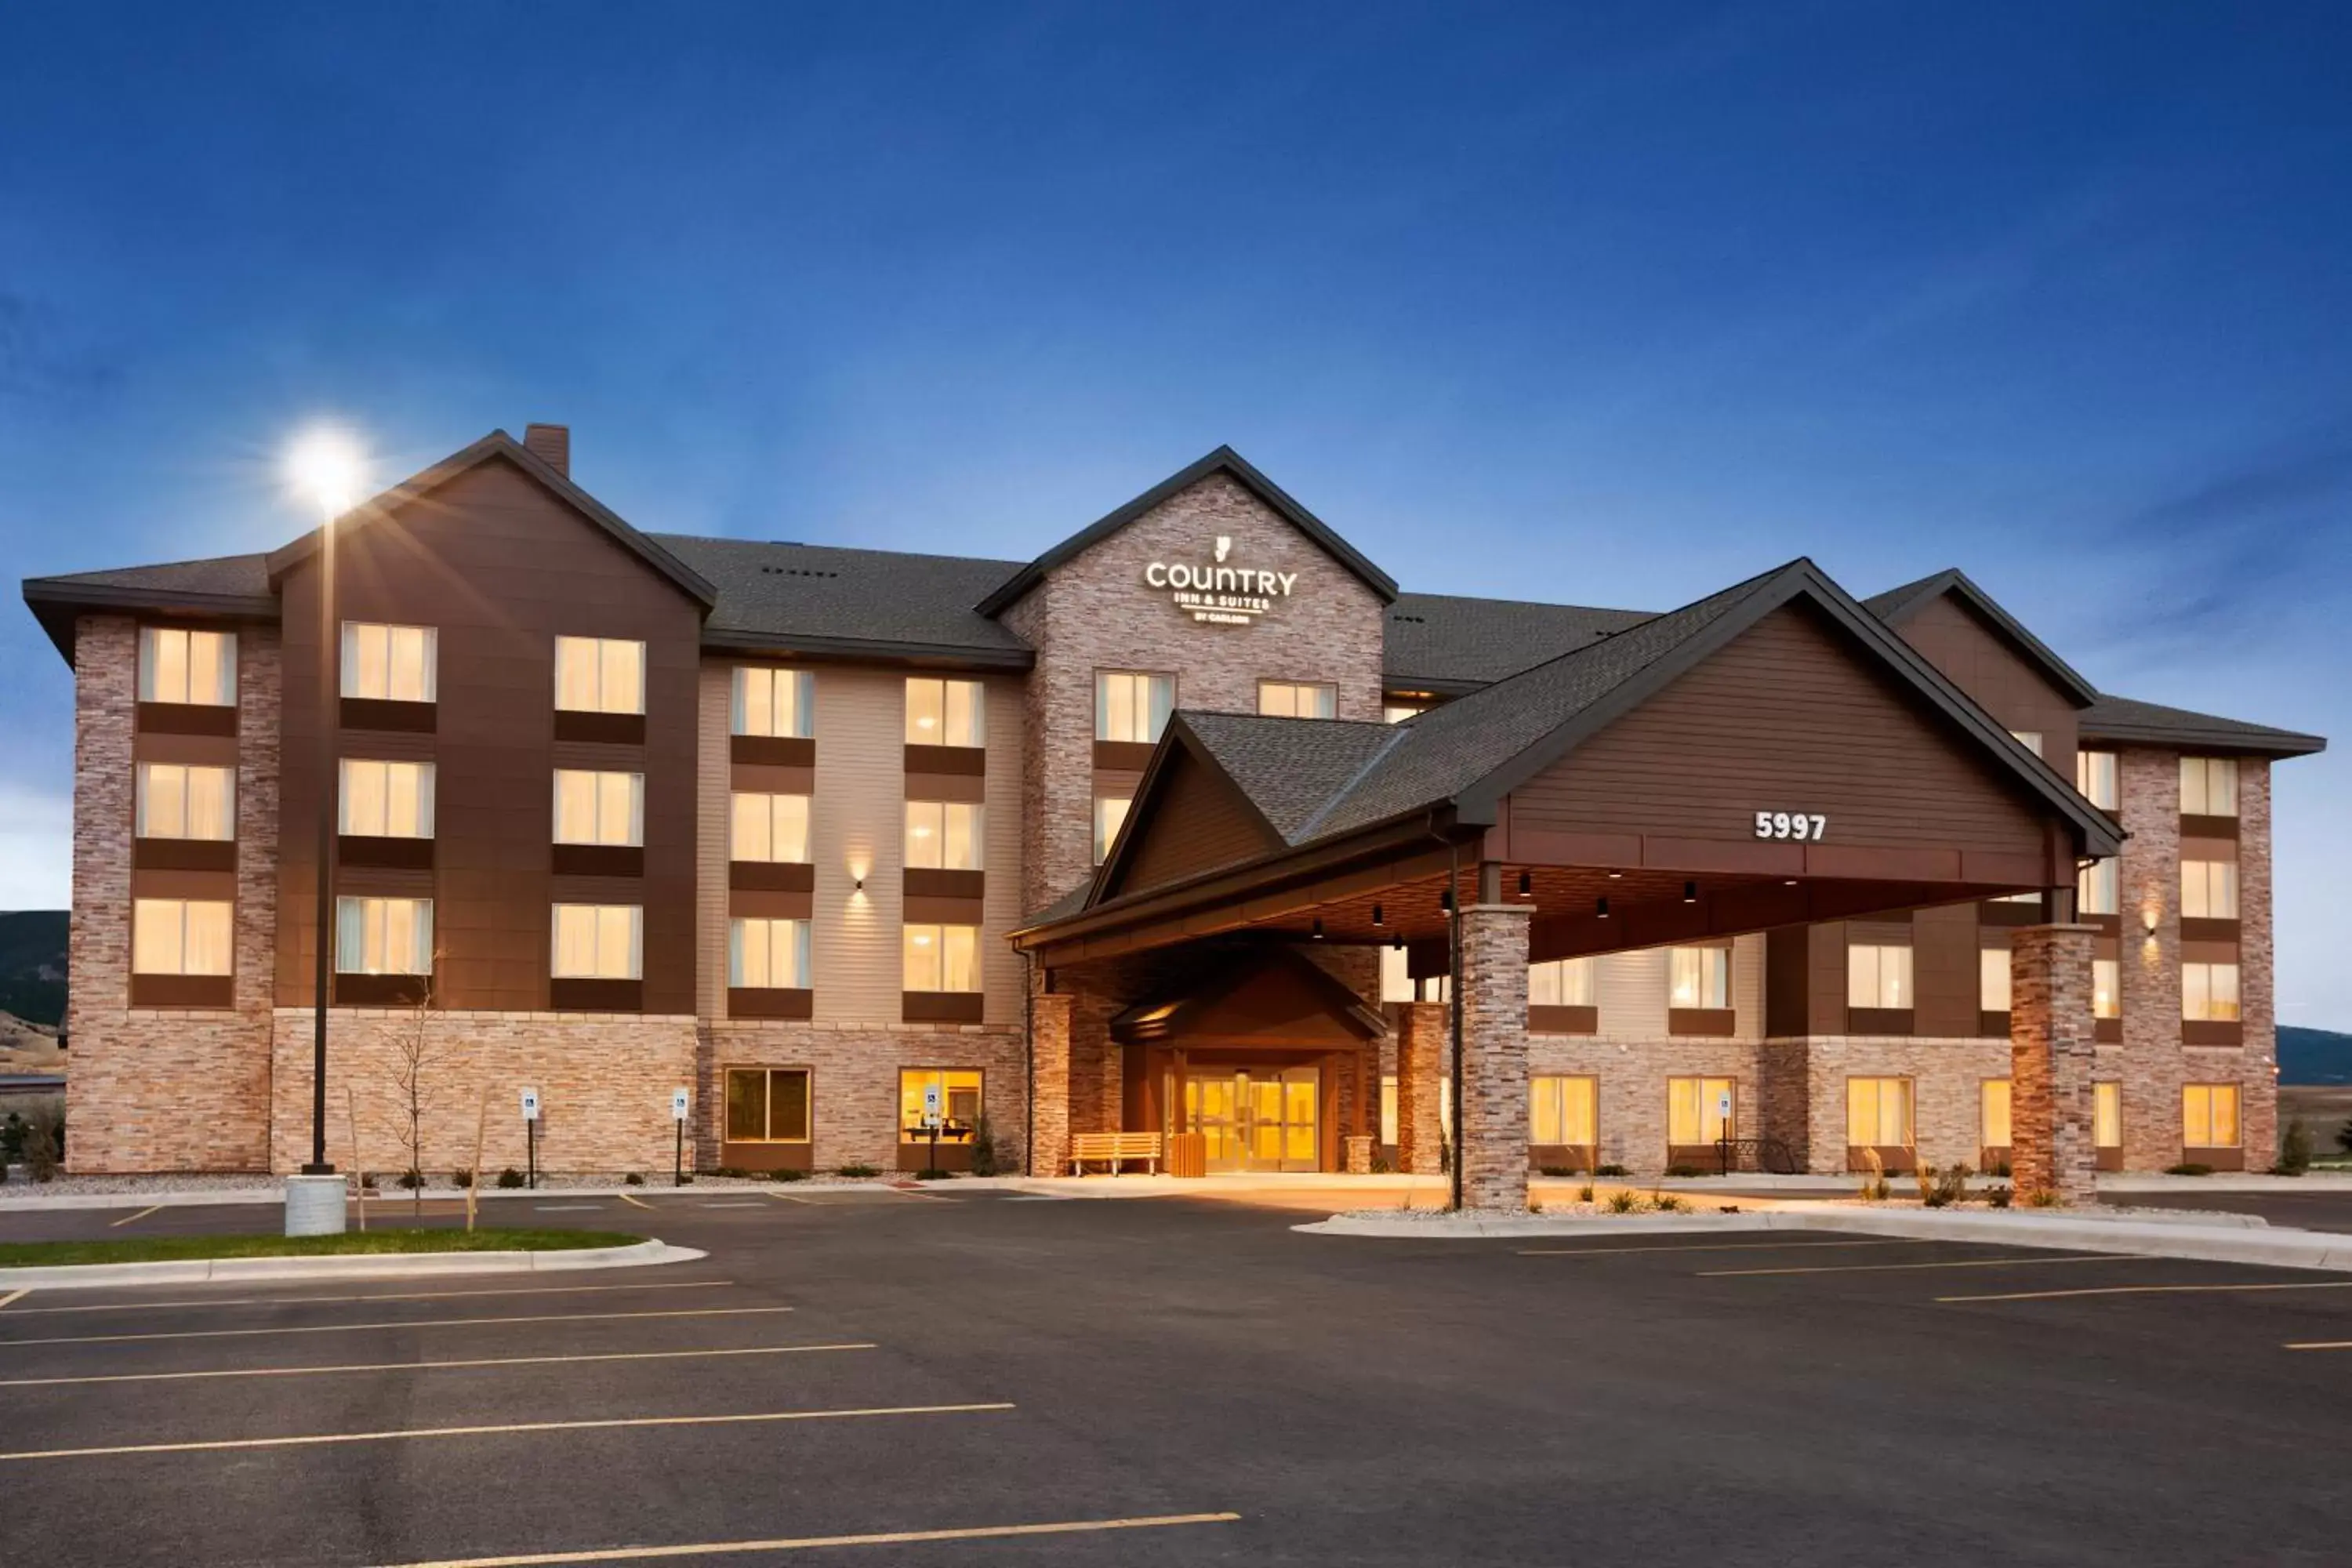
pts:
[2043, 1198]
[1875, 1189]
[461, 1178]
[1381, 1166]
[2188, 1168]
[510, 1177]
[983, 1149]
[857, 1171]
[12, 1139]
[1609, 1170]
[1622, 1201]
[1666, 1203]
[788, 1176]
[934, 1175]
[1997, 1197]
[736, 1172]
[1951, 1186]
[1584, 1194]
[2295, 1151]
[1923, 1176]
[1557, 1171]
[2343, 1135]
[1685, 1171]
[4, 1172]
[634, 1179]
[411, 1179]
[45, 1148]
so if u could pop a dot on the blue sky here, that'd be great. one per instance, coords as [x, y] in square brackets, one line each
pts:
[1603, 304]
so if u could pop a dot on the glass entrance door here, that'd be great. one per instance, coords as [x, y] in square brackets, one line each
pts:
[1256, 1120]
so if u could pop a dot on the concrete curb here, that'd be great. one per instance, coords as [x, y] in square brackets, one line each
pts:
[392, 1199]
[357, 1266]
[2268, 1246]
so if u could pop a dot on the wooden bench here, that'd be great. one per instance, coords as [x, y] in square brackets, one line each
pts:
[1113, 1149]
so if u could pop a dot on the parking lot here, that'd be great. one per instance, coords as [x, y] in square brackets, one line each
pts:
[997, 1378]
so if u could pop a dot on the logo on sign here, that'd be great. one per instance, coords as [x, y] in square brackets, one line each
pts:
[1215, 593]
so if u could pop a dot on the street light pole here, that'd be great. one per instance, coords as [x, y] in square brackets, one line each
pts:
[327, 795]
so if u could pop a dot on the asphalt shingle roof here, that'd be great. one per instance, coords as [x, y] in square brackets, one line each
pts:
[227, 576]
[778, 590]
[2126, 719]
[1445, 642]
[1292, 768]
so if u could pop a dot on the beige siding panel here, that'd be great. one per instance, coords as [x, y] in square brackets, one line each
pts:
[1633, 991]
[1747, 986]
[856, 826]
[1001, 967]
[712, 808]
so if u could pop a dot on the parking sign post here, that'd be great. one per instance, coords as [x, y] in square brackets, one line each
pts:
[931, 1120]
[677, 1107]
[530, 1137]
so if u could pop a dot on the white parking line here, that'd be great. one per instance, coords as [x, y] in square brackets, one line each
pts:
[1713, 1247]
[224, 1445]
[416, 1323]
[16, 1296]
[566, 1208]
[816, 1542]
[1949, 1263]
[2157, 1290]
[373, 1296]
[126, 1219]
[422, 1366]
[752, 1205]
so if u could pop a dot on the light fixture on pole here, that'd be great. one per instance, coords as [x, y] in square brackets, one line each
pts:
[325, 470]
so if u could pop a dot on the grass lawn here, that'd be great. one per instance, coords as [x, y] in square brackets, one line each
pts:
[179, 1249]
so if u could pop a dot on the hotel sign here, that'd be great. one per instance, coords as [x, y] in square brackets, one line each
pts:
[1215, 593]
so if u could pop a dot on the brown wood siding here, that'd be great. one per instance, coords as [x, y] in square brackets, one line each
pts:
[1720, 1021]
[408, 854]
[1788, 975]
[183, 855]
[941, 1007]
[1825, 956]
[1563, 1020]
[772, 876]
[1122, 756]
[187, 719]
[771, 751]
[1975, 658]
[743, 1002]
[381, 990]
[1945, 974]
[925, 883]
[1788, 717]
[765, 903]
[377, 713]
[500, 567]
[182, 990]
[1199, 822]
[596, 861]
[967, 761]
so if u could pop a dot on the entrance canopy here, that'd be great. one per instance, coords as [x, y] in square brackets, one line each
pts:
[1771, 755]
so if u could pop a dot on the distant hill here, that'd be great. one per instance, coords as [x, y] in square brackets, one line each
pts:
[33, 964]
[2313, 1055]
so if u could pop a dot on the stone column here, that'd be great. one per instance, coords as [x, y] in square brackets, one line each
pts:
[2150, 1064]
[1491, 1120]
[2257, 997]
[2051, 1059]
[1049, 1109]
[1423, 1046]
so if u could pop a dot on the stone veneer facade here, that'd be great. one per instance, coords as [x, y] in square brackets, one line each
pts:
[2051, 1059]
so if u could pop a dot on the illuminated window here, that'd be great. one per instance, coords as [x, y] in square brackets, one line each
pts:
[768, 955]
[2208, 1115]
[959, 1097]
[386, 800]
[2107, 1115]
[185, 802]
[1298, 699]
[767, 1105]
[1992, 1113]
[1878, 1112]
[1395, 713]
[599, 809]
[1389, 1109]
[2209, 890]
[600, 675]
[2094, 888]
[2095, 775]
[946, 712]
[2030, 738]
[942, 958]
[1878, 976]
[1562, 1109]
[1131, 707]
[2208, 786]
[1698, 977]
[2209, 991]
[2106, 988]
[187, 667]
[1562, 983]
[1110, 815]
[1992, 979]
[599, 941]
[383, 936]
[179, 936]
[773, 702]
[943, 835]
[1695, 1110]
[389, 663]
[771, 827]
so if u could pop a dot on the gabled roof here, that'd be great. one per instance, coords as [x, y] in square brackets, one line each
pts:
[2125, 718]
[230, 587]
[864, 604]
[1314, 780]
[1225, 460]
[498, 445]
[1896, 604]
[1191, 1008]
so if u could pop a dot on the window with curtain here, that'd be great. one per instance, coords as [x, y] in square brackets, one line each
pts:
[2107, 1115]
[2096, 776]
[386, 800]
[1298, 699]
[1562, 1108]
[959, 1103]
[383, 936]
[1694, 1111]
[176, 801]
[774, 827]
[1878, 1112]
[2208, 786]
[389, 664]
[2209, 890]
[599, 807]
[1389, 1109]
[946, 712]
[2208, 1115]
[1992, 1114]
[767, 1105]
[2106, 988]
[1564, 983]
[943, 835]
[768, 955]
[600, 675]
[779, 703]
[1132, 707]
[177, 665]
[1698, 977]
[941, 957]
[2209, 991]
[1395, 713]
[1878, 976]
[1110, 815]
[1992, 979]
[2096, 888]
[599, 941]
[179, 936]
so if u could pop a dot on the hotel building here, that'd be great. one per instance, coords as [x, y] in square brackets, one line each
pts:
[1194, 824]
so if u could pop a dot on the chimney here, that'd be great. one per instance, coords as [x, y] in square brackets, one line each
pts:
[551, 445]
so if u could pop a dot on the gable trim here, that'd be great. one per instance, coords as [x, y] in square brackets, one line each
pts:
[1224, 459]
[1905, 602]
[1179, 737]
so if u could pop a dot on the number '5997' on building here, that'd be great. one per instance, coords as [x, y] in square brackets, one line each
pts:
[1195, 825]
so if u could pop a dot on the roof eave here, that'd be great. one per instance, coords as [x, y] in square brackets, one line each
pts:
[54, 602]
[2260, 743]
[869, 650]
[1952, 580]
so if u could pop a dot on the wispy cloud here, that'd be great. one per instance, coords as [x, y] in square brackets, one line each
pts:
[35, 362]
[35, 849]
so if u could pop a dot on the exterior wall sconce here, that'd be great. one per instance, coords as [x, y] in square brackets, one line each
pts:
[1399, 942]
[1377, 922]
[1600, 910]
[1318, 928]
[1445, 900]
[858, 884]
[1527, 884]
[1616, 876]
[1690, 892]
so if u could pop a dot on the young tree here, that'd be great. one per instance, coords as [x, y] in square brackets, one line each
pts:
[411, 1053]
